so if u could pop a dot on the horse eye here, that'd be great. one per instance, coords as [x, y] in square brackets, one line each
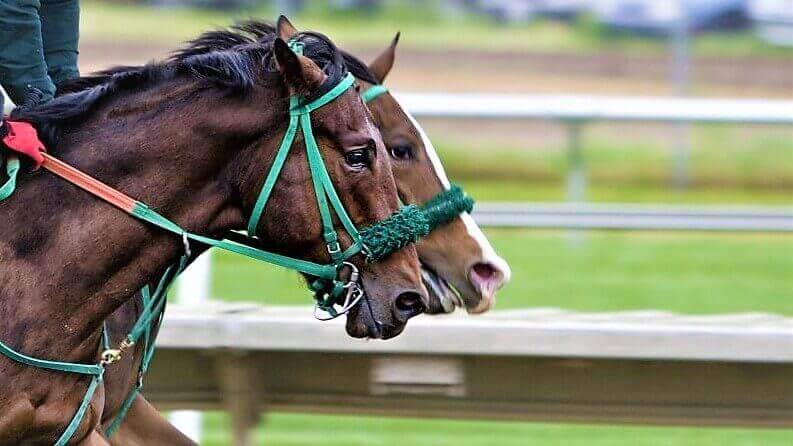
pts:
[402, 152]
[357, 158]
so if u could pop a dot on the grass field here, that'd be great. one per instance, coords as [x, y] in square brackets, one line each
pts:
[422, 27]
[303, 430]
[687, 273]
[730, 159]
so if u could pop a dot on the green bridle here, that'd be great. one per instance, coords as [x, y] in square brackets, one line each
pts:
[406, 226]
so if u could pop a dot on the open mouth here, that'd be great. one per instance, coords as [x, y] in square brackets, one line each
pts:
[443, 297]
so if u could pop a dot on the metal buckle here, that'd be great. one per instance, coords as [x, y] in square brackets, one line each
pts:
[110, 356]
[353, 295]
[334, 248]
[113, 355]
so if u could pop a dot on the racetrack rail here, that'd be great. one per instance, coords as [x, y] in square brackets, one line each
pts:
[635, 217]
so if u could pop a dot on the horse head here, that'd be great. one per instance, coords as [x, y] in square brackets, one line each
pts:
[460, 267]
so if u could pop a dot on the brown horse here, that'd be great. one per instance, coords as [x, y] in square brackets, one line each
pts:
[456, 254]
[193, 138]
[459, 252]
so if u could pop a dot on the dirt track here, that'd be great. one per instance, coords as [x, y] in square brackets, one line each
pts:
[605, 73]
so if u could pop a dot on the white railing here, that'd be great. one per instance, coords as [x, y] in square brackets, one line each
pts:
[573, 111]
[635, 217]
[583, 108]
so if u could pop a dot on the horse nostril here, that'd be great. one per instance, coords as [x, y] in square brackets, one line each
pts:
[485, 271]
[410, 304]
[487, 278]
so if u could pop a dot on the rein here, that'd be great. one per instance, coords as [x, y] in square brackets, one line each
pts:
[334, 296]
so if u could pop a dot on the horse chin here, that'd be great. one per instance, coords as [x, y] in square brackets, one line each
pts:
[443, 298]
[362, 325]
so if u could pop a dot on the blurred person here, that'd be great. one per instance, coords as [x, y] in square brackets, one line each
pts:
[38, 49]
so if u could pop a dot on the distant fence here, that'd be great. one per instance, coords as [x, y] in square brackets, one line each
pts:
[576, 110]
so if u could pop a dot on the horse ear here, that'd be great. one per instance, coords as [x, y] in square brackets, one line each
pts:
[285, 28]
[301, 74]
[381, 66]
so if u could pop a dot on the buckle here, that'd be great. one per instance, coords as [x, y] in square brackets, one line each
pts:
[110, 356]
[333, 248]
[353, 293]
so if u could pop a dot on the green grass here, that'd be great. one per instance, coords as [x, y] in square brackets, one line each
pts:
[421, 27]
[726, 165]
[732, 160]
[608, 271]
[299, 430]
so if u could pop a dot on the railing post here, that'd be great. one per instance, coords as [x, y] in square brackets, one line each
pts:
[237, 377]
[681, 68]
[577, 183]
[193, 288]
[576, 171]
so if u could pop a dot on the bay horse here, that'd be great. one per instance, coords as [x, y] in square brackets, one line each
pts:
[459, 265]
[193, 138]
[456, 253]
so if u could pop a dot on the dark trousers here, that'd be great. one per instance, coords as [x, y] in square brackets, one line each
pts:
[38, 45]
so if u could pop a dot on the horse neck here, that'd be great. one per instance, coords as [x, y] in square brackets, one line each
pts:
[70, 259]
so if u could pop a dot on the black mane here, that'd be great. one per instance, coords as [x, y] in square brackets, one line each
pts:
[249, 32]
[228, 59]
[255, 31]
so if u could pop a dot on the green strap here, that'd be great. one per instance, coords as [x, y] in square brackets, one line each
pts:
[122, 412]
[85, 369]
[272, 176]
[70, 367]
[373, 93]
[80, 414]
[12, 169]
[325, 99]
[320, 174]
[105, 337]
[148, 353]
[145, 213]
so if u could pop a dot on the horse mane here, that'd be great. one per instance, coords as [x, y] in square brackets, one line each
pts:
[249, 32]
[256, 31]
[230, 60]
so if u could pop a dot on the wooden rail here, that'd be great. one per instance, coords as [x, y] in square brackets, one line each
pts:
[532, 365]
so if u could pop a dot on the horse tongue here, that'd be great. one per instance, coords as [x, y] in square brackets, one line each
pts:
[440, 290]
[486, 279]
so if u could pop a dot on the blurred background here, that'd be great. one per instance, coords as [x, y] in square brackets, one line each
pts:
[694, 48]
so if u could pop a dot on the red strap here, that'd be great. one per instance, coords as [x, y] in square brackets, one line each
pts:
[23, 139]
[88, 183]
